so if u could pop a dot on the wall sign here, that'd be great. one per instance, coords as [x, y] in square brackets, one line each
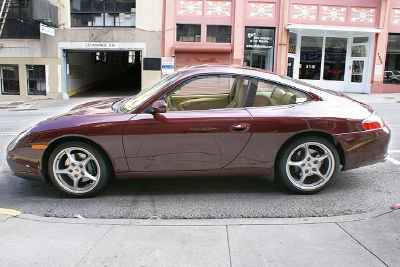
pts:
[256, 39]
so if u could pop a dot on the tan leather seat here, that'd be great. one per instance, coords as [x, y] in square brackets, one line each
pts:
[240, 94]
[281, 97]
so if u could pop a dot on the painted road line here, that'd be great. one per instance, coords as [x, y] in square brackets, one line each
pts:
[10, 212]
[13, 121]
[9, 133]
[396, 162]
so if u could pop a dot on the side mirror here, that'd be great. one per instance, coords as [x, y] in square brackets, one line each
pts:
[160, 106]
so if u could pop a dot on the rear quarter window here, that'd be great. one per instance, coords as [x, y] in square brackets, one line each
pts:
[271, 94]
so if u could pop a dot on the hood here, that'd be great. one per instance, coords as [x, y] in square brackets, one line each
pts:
[90, 114]
[99, 106]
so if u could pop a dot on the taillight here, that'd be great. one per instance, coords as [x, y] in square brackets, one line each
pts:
[373, 122]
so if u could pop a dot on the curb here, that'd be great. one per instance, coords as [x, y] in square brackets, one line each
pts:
[202, 222]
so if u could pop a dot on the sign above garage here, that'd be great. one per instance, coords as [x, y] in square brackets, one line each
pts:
[100, 45]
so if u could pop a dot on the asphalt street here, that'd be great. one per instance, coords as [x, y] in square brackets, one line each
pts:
[353, 192]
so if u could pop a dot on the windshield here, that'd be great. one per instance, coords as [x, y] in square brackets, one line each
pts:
[132, 103]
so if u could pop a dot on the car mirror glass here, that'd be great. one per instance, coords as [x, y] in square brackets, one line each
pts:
[160, 106]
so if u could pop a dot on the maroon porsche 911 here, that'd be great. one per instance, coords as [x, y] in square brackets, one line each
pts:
[205, 121]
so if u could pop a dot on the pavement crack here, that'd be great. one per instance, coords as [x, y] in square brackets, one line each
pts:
[91, 249]
[229, 245]
[376, 256]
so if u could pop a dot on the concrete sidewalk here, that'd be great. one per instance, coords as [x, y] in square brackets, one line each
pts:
[371, 239]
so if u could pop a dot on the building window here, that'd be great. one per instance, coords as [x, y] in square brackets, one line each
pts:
[9, 80]
[219, 34]
[188, 32]
[259, 48]
[103, 13]
[36, 79]
[100, 57]
[17, 23]
[392, 66]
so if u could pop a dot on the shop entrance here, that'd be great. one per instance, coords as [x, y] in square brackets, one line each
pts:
[339, 62]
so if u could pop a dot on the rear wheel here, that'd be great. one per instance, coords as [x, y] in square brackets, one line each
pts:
[308, 164]
[78, 169]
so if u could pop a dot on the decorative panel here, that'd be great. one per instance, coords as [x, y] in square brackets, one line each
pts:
[190, 59]
[261, 10]
[304, 12]
[190, 8]
[396, 16]
[362, 15]
[218, 8]
[333, 13]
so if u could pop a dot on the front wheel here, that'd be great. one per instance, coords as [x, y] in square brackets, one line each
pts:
[78, 169]
[308, 164]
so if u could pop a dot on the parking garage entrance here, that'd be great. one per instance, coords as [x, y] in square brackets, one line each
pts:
[91, 73]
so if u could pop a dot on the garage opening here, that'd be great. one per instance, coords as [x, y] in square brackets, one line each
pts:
[103, 73]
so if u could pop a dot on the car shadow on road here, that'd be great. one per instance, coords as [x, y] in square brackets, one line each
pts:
[168, 186]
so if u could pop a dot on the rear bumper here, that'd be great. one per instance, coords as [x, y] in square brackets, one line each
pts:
[364, 148]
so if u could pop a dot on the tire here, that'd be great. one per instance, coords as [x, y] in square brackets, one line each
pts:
[78, 169]
[308, 164]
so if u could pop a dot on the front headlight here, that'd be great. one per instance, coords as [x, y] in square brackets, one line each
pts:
[16, 140]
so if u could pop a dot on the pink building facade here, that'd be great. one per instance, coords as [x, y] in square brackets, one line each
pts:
[343, 45]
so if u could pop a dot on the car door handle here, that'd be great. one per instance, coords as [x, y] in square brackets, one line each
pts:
[241, 127]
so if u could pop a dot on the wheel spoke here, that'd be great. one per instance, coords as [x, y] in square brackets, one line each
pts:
[89, 176]
[322, 157]
[302, 178]
[296, 163]
[63, 171]
[70, 156]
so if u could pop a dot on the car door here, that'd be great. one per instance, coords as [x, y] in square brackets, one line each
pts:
[196, 136]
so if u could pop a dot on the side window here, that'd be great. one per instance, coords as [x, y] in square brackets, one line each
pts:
[208, 92]
[270, 94]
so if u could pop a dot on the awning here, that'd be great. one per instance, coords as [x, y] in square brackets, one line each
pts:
[307, 28]
[44, 12]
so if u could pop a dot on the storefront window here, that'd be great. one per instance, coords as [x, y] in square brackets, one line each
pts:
[292, 43]
[290, 65]
[310, 57]
[392, 67]
[259, 48]
[335, 58]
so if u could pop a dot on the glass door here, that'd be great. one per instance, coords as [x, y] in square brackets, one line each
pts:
[358, 63]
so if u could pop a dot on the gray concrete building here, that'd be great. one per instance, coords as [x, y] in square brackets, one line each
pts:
[54, 49]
